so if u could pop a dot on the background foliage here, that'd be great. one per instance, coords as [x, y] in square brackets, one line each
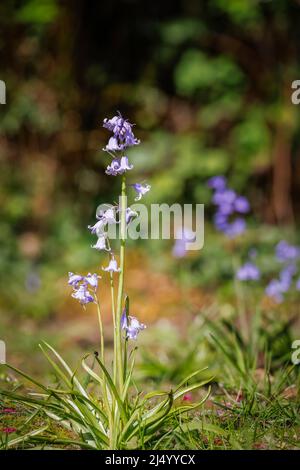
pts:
[208, 84]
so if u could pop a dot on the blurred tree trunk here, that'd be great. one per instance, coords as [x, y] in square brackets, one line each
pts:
[282, 173]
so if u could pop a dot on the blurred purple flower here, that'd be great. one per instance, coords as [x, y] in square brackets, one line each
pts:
[286, 252]
[229, 203]
[220, 221]
[183, 236]
[179, 250]
[226, 196]
[298, 284]
[278, 287]
[235, 228]
[241, 204]
[274, 290]
[141, 190]
[217, 182]
[286, 277]
[248, 272]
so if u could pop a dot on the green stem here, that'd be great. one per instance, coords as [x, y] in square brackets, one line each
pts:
[241, 303]
[112, 292]
[118, 336]
[113, 309]
[100, 329]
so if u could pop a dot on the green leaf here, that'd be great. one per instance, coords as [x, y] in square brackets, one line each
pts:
[113, 391]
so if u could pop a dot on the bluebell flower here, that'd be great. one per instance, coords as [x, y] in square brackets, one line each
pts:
[83, 295]
[112, 266]
[286, 276]
[229, 205]
[217, 182]
[113, 145]
[286, 252]
[123, 136]
[141, 190]
[130, 215]
[248, 272]
[101, 244]
[298, 284]
[118, 166]
[220, 221]
[98, 227]
[114, 168]
[183, 236]
[179, 249]
[226, 196]
[81, 286]
[92, 280]
[74, 279]
[106, 217]
[110, 215]
[131, 325]
[235, 228]
[274, 290]
[241, 204]
[278, 287]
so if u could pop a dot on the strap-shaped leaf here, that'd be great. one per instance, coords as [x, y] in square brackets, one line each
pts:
[113, 391]
[25, 437]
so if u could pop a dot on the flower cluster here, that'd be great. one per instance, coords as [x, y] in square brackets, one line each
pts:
[230, 205]
[287, 255]
[123, 136]
[82, 287]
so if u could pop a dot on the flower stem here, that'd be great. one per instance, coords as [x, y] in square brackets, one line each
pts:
[100, 329]
[112, 292]
[118, 337]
